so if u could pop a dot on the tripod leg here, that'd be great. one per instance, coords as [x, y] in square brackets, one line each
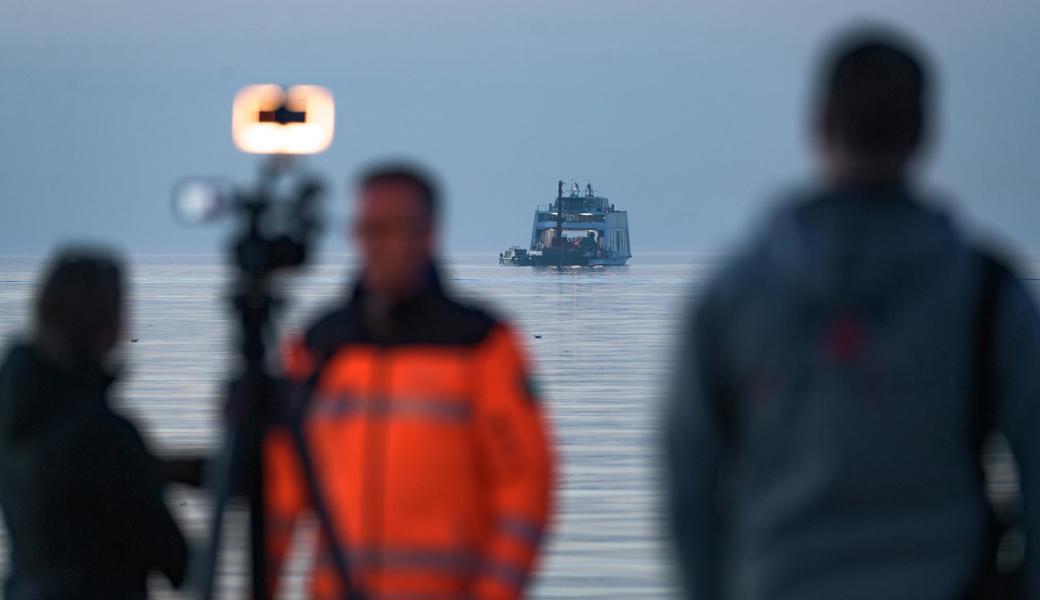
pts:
[257, 513]
[219, 479]
[351, 590]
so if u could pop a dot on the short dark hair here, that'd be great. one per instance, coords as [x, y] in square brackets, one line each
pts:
[875, 92]
[403, 172]
[79, 307]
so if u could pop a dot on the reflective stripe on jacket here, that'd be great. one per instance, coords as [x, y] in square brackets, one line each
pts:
[430, 448]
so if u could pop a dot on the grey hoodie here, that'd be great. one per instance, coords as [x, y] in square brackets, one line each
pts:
[821, 426]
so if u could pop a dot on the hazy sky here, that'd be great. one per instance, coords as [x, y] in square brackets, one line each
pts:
[687, 113]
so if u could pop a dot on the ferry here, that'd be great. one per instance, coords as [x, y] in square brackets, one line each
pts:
[576, 230]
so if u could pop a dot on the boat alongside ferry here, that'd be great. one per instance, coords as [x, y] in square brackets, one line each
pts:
[576, 230]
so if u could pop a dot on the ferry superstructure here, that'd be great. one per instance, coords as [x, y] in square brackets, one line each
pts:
[576, 229]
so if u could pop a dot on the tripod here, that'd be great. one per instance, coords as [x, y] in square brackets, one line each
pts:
[256, 397]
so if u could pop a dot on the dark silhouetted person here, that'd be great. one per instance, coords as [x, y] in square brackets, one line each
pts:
[81, 494]
[837, 376]
[428, 439]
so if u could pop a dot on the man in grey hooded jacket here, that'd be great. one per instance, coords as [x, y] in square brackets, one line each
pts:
[824, 422]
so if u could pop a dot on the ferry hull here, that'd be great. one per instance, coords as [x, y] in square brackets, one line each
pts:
[576, 260]
[619, 261]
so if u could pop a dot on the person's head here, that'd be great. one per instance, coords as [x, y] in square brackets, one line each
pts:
[395, 227]
[872, 111]
[78, 313]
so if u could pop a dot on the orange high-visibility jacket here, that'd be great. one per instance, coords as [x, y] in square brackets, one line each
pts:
[430, 448]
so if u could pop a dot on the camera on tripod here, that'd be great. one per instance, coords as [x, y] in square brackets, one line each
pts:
[279, 217]
[277, 222]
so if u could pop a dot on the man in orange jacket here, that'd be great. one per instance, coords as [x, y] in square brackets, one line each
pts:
[428, 443]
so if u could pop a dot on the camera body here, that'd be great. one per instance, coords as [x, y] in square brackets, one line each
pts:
[278, 218]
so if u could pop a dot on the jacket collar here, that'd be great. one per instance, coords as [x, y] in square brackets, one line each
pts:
[429, 286]
[884, 192]
[86, 375]
[35, 387]
[381, 319]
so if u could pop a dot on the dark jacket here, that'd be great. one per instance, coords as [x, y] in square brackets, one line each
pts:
[832, 362]
[81, 494]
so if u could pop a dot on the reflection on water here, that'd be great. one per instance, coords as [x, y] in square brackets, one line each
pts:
[603, 342]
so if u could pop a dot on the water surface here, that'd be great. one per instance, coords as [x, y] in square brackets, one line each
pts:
[599, 340]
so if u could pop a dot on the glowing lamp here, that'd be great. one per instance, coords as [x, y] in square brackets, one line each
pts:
[269, 119]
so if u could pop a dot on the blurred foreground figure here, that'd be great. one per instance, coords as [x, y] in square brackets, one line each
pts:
[80, 492]
[839, 374]
[430, 446]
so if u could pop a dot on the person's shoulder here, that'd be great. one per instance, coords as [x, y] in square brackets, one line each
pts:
[999, 270]
[994, 260]
[93, 445]
[775, 242]
[463, 321]
[982, 249]
[101, 429]
[776, 233]
[444, 319]
[336, 326]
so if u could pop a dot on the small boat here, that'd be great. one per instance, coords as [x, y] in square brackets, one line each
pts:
[514, 255]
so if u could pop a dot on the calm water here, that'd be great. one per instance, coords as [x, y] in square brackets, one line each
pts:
[605, 338]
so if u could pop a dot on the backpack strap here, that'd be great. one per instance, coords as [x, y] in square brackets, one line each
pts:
[994, 273]
[994, 580]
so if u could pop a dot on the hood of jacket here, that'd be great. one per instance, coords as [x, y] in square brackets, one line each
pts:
[854, 247]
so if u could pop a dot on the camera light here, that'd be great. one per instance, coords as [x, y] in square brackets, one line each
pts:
[201, 199]
[267, 119]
